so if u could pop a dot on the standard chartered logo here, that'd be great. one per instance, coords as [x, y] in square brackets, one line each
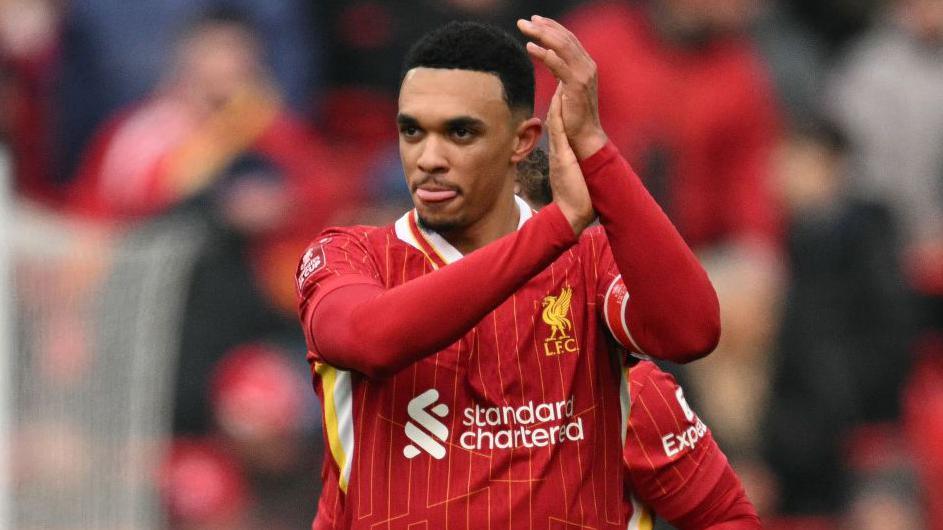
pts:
[528, 425]
[418, 415]
[487, 428]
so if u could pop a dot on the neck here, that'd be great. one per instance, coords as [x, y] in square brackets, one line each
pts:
[500, 221]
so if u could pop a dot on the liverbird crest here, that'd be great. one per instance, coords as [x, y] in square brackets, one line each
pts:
[556, 311]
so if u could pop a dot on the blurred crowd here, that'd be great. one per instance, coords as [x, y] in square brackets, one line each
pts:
[797, 145]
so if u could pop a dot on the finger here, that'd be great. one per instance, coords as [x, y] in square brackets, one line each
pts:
[559, 143]
[555, 118]
[580, 54]
[555, 26]
[551, 60]
[551, 38]
[552, 122]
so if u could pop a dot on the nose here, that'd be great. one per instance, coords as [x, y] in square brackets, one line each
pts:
[432, 157]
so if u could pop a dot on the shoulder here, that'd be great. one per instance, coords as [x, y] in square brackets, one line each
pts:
[645, 375]
[368, 237]
[338, 250]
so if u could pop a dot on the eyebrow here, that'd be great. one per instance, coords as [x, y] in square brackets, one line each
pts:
[466, 122]
[406, 119]
[452, 123]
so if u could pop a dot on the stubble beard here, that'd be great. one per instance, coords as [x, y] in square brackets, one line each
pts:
[441, 226]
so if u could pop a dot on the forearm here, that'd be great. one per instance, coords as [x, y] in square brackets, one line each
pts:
[673, 312]
[726, 507]
[746, 522]
[380, 331]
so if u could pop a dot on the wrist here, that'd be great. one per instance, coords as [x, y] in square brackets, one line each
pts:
[586, 145]
[578, 222]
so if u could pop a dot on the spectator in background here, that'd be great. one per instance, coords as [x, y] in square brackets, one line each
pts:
[266, 416]
[795, 57]
[255, 467]
[842, 351]
[688, 102]
[202, 487]
[226, 304]
[214, 103]
[923, 420]
[237, 387]
[28, 45]
[836, 22]
[888, 95]
[114, 53]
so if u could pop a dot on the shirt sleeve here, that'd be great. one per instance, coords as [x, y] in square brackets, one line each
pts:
[337, 258]
[353, 322]
[668, 308]
[612, 295]
[672, 460]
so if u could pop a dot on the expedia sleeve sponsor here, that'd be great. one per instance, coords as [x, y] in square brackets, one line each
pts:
[676, 443]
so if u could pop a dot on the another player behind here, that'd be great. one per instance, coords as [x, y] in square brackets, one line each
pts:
[468, 356]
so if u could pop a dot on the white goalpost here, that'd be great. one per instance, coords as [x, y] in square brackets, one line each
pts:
[6, 340]
[93, 323]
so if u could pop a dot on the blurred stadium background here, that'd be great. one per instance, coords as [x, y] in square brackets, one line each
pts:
[164, 162]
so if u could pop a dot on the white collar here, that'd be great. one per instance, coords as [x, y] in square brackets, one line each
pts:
[439, 251]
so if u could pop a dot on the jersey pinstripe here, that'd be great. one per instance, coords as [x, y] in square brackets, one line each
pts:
[673, 463]
[519, 424]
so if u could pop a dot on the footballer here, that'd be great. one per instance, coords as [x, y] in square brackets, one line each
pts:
[470, 357]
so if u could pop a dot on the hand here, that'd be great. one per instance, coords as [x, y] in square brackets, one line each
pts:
[566, 178]
[560, 51]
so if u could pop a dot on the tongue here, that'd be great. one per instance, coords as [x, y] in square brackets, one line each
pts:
[435, 196]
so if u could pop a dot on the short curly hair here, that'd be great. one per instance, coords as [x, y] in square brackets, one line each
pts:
[481, 48]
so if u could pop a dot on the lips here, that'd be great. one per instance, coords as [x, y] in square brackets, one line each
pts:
[435, 195]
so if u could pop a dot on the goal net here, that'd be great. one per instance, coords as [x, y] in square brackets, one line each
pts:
[93, 331]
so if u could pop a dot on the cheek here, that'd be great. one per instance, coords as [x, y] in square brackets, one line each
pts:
[408, 153]
[488, 174]
[482, 162]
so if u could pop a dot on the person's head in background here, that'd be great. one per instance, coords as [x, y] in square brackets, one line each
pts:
[922, 18]
[250, 196]
[533, 179]
[695, 22]
[217, 56]
[259, 404]
[810, 167]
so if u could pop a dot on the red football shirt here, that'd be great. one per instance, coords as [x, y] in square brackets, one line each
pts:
[519, 424]
[672, 460]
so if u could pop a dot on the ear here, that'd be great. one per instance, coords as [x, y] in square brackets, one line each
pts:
[526, 139]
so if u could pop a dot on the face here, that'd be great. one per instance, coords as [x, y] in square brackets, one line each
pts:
[924, 18]
[217, 62]
[459, 142]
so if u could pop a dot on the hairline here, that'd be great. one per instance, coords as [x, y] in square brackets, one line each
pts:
[524, 110]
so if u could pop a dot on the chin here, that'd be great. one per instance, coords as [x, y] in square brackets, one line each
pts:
[439, 223]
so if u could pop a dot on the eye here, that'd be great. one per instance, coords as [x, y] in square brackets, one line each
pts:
[409, 131]
[462, 134]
